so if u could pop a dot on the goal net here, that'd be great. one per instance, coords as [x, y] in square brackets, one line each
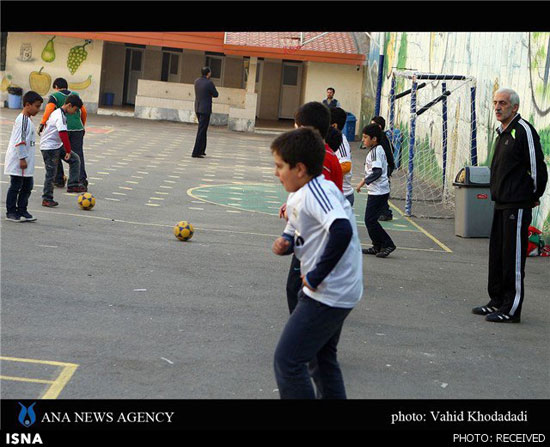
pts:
[432, 124]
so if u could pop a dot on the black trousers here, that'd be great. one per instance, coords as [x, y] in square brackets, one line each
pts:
[374, 209]
[18, 194]
[507, 254]
[200, 140]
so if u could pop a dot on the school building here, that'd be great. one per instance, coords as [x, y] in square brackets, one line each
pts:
[262, 77]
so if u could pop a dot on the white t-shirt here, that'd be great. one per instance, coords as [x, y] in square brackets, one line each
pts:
[344, 155]
[311, 211]
[376, 158]
[23, 132]
[50, 139]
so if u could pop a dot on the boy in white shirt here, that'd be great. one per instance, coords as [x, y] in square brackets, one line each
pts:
[338, 117]
[19, 161]
[322, 233]
[378, 186]
[54, 145]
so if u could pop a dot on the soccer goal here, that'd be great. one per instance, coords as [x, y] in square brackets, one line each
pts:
[432, 122]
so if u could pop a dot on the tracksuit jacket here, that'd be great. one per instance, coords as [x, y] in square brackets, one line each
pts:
[518, 170]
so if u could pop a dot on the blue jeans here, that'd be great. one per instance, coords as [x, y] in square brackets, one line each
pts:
[312, 331]
[18, 194]
[76, 138]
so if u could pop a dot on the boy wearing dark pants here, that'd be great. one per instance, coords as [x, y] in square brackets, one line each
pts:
[19, 161]
[376, 179]
[55, 145]
[322, 233]
[75, 127]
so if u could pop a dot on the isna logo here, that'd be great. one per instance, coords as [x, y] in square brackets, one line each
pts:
[27, 417]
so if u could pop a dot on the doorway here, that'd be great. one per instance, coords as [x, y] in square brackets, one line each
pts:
[291, 85]
[132, 72]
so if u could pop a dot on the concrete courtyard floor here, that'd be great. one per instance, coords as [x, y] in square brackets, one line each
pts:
[108, 304]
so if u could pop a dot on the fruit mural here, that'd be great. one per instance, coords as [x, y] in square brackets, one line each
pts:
[48, 53]
[34, 61]
[77, 55]
[40, 82]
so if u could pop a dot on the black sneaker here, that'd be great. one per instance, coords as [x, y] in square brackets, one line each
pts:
[500, 317]
[484, 310]
[26, 217]
[384, 252]
[386, 217]
[370, 251]
[13, 217]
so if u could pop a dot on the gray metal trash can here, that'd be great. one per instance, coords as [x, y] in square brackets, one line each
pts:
[473, 204]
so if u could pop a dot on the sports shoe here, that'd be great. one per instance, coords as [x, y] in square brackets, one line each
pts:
[370, 251]
[49, 203]
[500, 317]
[78, 188]
[484, 310]
[26, 217]
[384, 252]
[385, 217]
[13, 217]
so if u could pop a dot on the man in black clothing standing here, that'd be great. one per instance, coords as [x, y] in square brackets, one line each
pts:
[205, 90]
[518, 180]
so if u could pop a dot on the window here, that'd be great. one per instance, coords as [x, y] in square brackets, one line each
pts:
[136, 60]
[170, 66]
[216, 66]
[174, 64]
[290, 75]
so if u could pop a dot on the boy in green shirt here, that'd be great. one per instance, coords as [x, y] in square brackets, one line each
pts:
[75, 125]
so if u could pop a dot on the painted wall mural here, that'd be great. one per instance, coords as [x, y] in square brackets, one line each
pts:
[518, 60]
[34, 60]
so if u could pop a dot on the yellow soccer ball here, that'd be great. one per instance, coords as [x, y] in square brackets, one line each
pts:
[184, 230]
[86, 201]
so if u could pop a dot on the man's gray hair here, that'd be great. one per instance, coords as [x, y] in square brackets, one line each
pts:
[514, 97]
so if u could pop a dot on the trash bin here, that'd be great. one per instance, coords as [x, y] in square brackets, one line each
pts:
[349, 128]
[473, 204]
[108, 98]
[15, 97]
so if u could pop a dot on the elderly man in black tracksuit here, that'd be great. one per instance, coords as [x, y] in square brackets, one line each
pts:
[518, 180]
[205, 90]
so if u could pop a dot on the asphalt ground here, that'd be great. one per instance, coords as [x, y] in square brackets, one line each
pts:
[108, 304]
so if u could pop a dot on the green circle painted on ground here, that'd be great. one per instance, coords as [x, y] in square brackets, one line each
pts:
[267, 198]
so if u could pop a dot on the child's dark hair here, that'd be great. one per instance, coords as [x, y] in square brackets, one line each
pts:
[74, 100]
[314, 114]
[372, 130]
[338, 116]
[302, 145]
[334, 138]
[380, 121]
[60, 83]
[31, 97]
